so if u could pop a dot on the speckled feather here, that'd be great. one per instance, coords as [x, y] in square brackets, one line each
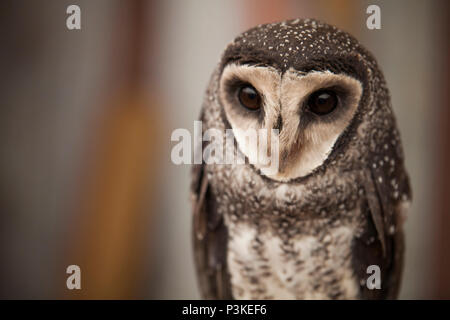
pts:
[325, 227]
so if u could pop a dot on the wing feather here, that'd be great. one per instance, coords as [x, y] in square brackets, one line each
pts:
[209, 238]
[387, 189]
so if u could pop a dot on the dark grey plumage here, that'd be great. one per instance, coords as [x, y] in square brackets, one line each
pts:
[312, 236]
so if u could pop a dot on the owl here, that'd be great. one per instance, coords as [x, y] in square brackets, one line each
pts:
[337, 203]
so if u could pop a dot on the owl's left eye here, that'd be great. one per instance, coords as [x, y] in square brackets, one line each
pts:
[323, 102]
[249, 97]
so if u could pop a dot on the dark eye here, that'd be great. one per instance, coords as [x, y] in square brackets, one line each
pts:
[322, 102]
[249, 97]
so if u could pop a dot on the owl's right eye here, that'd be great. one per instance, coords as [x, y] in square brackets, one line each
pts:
[249, 98]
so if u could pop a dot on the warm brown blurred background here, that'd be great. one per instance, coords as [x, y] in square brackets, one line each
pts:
[86, 118]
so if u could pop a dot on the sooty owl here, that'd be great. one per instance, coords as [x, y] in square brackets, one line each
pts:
[337, 203]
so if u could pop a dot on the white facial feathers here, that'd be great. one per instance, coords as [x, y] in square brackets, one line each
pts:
[303, 145]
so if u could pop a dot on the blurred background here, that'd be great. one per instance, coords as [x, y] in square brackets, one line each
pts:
[85, 123]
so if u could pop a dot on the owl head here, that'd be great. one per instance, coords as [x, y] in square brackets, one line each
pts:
[313, 83]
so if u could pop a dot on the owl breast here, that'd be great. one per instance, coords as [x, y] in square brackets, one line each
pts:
[290, 240]
[265, 265]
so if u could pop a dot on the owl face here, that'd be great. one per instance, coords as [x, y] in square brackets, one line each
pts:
[310, 110]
